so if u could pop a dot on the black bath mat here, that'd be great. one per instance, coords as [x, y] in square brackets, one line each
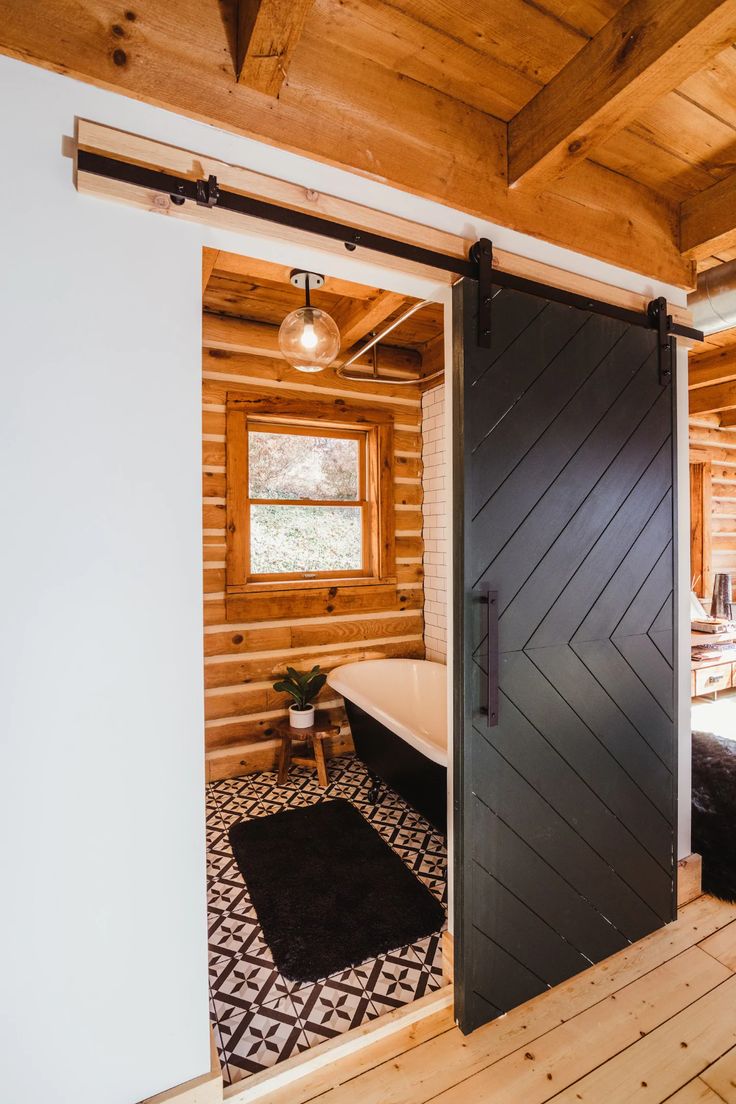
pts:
[328, 892]
[714, 812]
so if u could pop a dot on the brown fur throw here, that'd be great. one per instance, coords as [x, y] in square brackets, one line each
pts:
[714, 812]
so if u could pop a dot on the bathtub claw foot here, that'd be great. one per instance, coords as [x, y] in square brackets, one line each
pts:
[374, 792]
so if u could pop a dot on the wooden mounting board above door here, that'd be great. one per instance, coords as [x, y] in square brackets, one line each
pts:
[99, 138]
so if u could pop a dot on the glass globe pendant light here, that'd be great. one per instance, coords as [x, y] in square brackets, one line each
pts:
[308, 337]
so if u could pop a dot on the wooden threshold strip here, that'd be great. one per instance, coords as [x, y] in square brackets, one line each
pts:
[315, 1072]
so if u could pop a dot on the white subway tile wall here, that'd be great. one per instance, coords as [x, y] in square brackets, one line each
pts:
[434, 527]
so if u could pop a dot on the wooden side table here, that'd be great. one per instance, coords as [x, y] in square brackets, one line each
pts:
[315, 735]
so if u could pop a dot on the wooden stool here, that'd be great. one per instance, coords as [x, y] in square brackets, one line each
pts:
[316, 735]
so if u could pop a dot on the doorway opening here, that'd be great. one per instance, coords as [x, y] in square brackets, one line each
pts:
[712, 469]
[325, 545]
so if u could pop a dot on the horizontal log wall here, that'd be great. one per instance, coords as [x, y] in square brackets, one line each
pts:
[719, 446]
[244, 657]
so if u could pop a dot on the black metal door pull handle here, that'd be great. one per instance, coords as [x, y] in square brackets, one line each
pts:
[491, 599]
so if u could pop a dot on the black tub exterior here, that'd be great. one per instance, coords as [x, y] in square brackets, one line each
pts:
[412, 775]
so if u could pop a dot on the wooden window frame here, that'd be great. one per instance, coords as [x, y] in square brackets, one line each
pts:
[701, 523]
[361, 501]
[375, 428]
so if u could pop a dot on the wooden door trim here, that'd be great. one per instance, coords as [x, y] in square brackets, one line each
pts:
[701, 523]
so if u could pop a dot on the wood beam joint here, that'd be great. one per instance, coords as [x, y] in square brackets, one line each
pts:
[267, 35]
[708, 220]
[645, 51]
[357, 318]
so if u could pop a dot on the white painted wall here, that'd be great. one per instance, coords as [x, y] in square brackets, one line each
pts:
[103, 925]
[102, 936]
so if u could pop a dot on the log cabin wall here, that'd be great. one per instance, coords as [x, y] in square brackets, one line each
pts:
[715, 447]
[244, 657]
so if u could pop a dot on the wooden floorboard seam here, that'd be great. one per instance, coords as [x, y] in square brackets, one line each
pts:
[538, 1074]
[412, 1077]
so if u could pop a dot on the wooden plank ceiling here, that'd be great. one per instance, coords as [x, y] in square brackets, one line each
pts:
[604, 126]
[246, 300]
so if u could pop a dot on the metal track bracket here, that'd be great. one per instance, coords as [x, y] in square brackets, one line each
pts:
[208, 192]
[662, 322]
[482, 254]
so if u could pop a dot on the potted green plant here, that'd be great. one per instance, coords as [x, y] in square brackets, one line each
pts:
[303, 686]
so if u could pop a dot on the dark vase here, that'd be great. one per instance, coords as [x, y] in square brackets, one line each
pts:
[722, 596]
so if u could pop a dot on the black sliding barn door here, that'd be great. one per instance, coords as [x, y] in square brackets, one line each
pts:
[565, 807]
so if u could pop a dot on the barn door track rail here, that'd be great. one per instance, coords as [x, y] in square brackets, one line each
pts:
[478, 265]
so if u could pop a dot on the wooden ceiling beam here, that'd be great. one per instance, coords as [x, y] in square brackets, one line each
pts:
[709, 400]
[239, 335]
[253, 268]
[209, 261]
[728, 419]
[433, 354]
[357, 318]
[712, 368]
[244, 336]
[645, 51]
[267, 35]
[345, 109]
[708, 220]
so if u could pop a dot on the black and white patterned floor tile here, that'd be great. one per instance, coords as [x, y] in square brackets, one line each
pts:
[259, 1017]
[260, 1037]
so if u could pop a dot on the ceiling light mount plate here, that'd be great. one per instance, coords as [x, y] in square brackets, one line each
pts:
[298, 277]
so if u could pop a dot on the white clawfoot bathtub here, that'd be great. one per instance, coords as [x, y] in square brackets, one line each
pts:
[408, 696]
[397, 710]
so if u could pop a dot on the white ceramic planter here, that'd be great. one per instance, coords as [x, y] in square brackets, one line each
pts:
[301, 718]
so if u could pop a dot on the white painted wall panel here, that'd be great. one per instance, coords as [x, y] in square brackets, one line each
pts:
[103, 925]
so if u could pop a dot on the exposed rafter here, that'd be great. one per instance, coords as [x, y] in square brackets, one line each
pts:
[709, 400]
[268, 32]
[209, 260]
[233, 264]
[708, 220]
[357, 319]
[712, 368]
[643, 52]
[350, 110]
[239, 335]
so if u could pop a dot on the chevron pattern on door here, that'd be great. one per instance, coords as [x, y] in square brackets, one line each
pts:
[566, 808]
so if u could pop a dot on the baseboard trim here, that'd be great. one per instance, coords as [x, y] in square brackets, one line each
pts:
[689, 879]
[206, 1089]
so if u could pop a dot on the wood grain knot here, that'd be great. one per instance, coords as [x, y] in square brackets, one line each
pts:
[627, 48]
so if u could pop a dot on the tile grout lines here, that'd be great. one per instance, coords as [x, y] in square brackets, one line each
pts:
[261, 1018]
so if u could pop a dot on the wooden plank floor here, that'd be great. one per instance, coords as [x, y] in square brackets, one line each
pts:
[654, 1023]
